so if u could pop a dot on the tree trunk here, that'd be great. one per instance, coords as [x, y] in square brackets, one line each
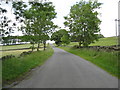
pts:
[38, 47]
[44, 45]
[32, 47]
[79, 44]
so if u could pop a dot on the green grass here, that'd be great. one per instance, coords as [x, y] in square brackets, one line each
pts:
[108, 41]
[106, 60]
[16, 67]
[0, 74]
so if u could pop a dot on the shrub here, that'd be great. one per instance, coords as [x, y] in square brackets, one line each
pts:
[7, 57]
[25, 53]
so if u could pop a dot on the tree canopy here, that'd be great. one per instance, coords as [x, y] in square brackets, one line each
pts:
[83, 22]
[61, 37]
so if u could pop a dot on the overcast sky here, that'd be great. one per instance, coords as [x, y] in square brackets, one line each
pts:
[109, 12]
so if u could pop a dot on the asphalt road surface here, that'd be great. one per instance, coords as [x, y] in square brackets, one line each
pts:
[65, 70]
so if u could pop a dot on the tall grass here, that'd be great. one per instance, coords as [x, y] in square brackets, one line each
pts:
[16, 67]
[106, 60]
[0, 74]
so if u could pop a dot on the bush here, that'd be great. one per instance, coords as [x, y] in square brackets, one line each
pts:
[7, 57]
[25, 53]
[31, 47]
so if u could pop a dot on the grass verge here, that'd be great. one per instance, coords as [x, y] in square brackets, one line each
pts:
[16, 67]
[106, 60]
[0, 74]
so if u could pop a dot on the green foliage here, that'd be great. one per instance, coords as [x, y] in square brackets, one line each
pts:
[100, 36]
[19, 8]
[83, 22]
[61, 37]
[106, 60]
[5, 28]
[37, 19]
[7, 57]
[7, 25]
[16, 67]
[10, 39]
[65, 39]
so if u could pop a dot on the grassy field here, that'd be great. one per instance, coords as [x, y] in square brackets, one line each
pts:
[109, 41]
[16, 67]
[16, 46]
[13, 52]
[106, 60]
[16, 52]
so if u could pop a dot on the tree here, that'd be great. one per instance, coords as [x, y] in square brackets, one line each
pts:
[83, 22]
[100, 36]
[7, 26]
[6, 40]
[43, 25]
[61, 37]
[45, 37]
[4, 27]
[65, 39]
[37, 19]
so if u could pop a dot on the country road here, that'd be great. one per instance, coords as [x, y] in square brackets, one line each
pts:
[65, 70]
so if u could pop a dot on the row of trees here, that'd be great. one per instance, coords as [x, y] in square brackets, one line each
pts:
[35, 19]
